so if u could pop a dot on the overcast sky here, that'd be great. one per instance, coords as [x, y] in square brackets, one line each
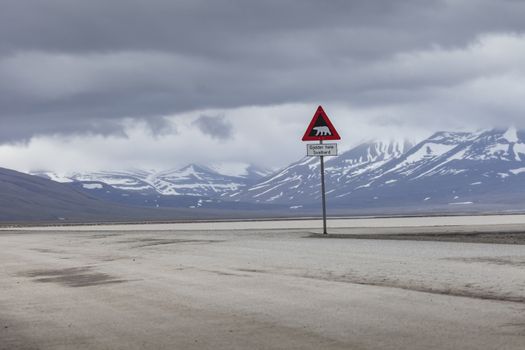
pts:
[116, 84]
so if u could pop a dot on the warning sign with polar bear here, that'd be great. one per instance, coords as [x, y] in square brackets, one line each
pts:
[320, 128]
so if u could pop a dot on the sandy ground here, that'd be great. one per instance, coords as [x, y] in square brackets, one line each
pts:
[256, 289]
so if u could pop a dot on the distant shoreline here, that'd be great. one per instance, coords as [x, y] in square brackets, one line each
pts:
[261, 219]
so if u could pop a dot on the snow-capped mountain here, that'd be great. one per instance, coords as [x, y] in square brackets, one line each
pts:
[483, 170]
[300, 182]
[448, 169]
[195, 180]
[192, 180]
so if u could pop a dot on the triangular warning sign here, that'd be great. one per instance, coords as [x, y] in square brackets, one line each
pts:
[320, 128]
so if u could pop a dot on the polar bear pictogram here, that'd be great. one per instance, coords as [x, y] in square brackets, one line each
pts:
[322, 131]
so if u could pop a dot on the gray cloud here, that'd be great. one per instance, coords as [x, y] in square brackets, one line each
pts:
[84, 66]
[217, 127]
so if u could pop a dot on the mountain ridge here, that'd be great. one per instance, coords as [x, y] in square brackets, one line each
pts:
[191, 180]
[444, 170]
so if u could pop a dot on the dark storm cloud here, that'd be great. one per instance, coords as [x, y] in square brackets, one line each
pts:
[12, 130]
[72, 66]
[217, 127]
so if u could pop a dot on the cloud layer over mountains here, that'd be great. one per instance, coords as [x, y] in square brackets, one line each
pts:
[100, 68]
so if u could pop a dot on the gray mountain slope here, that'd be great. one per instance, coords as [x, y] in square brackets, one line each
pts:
[25, 197]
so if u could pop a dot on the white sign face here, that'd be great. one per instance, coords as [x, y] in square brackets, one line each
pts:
[325, 149]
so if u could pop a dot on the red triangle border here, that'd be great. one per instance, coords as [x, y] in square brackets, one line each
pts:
[335, 134]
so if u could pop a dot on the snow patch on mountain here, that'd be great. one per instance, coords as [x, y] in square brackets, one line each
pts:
[52, 176]
[427, 151]
[92, 186]
[518, 171]
[238, 169]
[511, 135]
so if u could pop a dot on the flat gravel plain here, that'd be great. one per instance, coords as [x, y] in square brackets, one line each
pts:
[220, 288]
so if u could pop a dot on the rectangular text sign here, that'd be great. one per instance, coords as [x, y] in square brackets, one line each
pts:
[325, 149]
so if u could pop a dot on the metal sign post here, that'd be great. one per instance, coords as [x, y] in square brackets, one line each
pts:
[323, 190]
[321, 129]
